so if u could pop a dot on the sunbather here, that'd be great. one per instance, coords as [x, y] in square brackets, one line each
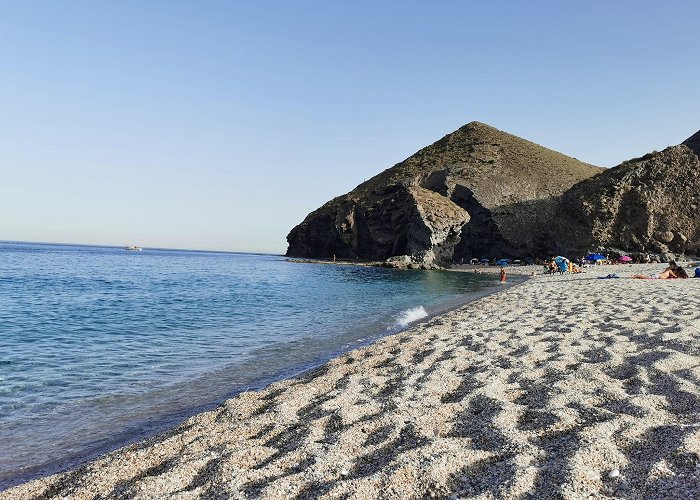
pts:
[671, 272]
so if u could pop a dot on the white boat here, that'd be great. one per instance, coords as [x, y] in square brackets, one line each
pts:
[133, 248]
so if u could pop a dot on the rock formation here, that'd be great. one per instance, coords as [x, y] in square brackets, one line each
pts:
[648, 205]
[476, 192]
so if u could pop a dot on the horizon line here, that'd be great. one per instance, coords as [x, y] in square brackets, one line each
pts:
[56, 243]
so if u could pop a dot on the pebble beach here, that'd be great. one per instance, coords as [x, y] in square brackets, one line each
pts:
[564, 386]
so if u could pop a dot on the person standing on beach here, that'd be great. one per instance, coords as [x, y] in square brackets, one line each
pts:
[502, 275]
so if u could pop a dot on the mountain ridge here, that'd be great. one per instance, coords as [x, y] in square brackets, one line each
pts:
[477, 168]
[646, 205]
[481, 192]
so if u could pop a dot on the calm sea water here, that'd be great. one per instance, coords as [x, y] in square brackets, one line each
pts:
[100, 346]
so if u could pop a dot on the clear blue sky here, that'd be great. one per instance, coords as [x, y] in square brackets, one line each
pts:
[220, 125]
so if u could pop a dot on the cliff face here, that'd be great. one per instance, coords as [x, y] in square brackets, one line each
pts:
[476, 192]
[649, 204]
[397, 220]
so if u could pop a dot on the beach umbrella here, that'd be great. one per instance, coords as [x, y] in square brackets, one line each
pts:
[502, 262]
[595, 256]
[625, 258]
[484, 260]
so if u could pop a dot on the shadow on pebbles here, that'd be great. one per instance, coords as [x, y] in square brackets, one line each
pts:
[555, 388]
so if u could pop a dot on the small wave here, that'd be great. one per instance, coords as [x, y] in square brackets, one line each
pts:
[407, 317]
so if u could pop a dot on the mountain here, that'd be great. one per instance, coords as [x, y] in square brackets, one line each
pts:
[476, 192]
[647, 205]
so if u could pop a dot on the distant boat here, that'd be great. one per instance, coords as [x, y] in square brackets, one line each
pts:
[133, 248]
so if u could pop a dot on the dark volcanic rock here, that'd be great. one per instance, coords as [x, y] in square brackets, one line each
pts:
[476, 192]
[693, 143]
[649, 204]
[400, 219]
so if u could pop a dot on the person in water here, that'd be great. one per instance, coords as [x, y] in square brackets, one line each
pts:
[502, 275]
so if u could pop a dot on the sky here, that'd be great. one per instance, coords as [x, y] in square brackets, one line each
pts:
[221, 125]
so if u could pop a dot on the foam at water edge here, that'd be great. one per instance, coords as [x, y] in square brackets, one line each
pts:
[405, 318]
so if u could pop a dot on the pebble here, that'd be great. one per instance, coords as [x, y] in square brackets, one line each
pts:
[437, 462]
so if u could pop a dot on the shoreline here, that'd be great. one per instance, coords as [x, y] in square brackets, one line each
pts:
[543, 388]
[167, 422]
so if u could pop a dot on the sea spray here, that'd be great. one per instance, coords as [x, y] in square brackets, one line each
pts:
[405, 318]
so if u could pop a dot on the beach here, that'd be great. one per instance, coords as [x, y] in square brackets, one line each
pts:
[564, 386]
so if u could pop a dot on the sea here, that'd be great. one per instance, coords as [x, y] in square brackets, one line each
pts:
[101, 346]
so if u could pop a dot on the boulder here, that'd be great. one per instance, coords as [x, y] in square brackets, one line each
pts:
[663, 236]
[666, 257]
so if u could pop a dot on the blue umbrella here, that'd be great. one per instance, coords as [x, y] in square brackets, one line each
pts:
[595, 256]
[502, 262]
[484, 260]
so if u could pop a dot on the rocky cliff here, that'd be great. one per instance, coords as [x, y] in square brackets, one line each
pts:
[476, 192]
[649, 205]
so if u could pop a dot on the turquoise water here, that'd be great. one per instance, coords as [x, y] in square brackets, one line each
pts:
[100, 346]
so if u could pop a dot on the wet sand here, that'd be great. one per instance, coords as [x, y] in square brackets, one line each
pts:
[560, 387]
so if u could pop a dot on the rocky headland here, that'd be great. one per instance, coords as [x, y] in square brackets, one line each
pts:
[480, 192]
[644, 205]
[472, 193]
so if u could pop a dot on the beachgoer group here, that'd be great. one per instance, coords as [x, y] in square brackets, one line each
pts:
[562, 266]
